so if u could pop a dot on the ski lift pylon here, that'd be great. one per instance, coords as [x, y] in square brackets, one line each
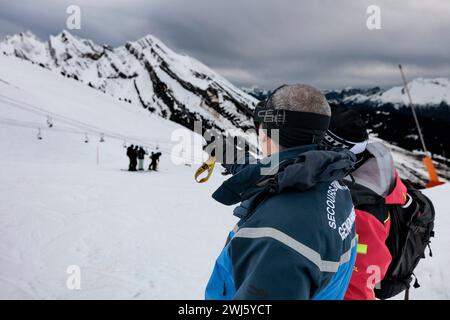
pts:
[39, 134]
[86, 138]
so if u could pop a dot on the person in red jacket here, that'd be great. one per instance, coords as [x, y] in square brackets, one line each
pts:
[373, 183]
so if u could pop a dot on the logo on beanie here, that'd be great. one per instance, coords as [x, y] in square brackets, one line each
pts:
[333, 140]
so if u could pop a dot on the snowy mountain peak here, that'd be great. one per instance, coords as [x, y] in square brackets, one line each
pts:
[424, 92]
[24, 45]
[156, 43]
[22, 36]
[144, 72]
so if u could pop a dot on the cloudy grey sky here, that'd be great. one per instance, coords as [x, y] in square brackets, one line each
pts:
[265, 42]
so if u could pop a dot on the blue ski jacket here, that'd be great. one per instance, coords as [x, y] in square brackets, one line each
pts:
[296, 235]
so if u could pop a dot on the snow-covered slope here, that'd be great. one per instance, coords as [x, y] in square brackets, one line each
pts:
[433, 272]
[145, 73]
[134, 235]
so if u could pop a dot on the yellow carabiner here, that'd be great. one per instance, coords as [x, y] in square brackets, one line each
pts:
[208, 166]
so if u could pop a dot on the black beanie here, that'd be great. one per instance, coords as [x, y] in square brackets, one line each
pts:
[347, 129]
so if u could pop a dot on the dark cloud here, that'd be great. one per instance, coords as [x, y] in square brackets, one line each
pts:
[266, 42]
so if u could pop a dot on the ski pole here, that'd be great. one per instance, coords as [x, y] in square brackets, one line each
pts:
[207, 166]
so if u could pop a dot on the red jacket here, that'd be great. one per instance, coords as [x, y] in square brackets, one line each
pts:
[372, 228]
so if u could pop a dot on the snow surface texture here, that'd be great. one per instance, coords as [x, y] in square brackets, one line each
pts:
[433, 272]
[145, 73]
[134, 235]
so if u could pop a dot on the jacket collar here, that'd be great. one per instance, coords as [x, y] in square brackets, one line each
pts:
[300, 168]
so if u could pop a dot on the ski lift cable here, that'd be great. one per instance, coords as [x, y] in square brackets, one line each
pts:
[96, 130]
[60, 118]
[40, 111]
[30, 125]
[23, 124]
[78, 124]
[35, 125]
[37, 110]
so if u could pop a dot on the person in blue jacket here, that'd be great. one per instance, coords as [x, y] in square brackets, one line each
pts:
[296, 235]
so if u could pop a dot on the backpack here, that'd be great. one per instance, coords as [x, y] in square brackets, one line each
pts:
[411, 229]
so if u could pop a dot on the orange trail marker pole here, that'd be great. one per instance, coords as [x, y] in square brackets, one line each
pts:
[434, 179]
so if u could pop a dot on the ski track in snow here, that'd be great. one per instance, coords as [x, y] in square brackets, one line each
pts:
[132, 235]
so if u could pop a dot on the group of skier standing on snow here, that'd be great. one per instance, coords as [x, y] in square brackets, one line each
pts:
[136, 155]
[320, 224]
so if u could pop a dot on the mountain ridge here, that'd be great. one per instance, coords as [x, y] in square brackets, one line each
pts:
[144, 72]
[425, 92]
